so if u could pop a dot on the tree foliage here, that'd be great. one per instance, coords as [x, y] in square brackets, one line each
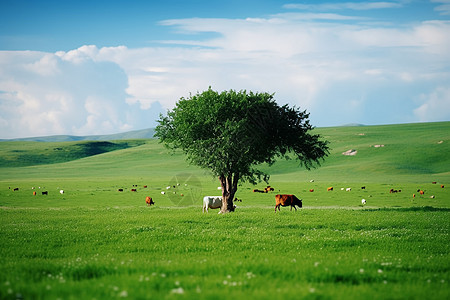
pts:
[231, 133]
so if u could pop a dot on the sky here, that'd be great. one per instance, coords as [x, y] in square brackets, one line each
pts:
[100, 67]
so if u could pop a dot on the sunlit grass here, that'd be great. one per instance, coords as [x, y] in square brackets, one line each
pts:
[96, 242]
[157, 253]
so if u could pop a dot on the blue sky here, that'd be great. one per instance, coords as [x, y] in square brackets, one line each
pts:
[97, 67]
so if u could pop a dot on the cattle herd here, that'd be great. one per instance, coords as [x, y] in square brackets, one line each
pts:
[214, 202]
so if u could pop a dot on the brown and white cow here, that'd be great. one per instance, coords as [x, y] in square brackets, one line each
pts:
[287, 200]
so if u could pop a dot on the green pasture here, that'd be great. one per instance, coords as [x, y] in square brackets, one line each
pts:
[94, 242]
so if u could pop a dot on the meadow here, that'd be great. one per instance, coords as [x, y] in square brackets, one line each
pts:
[93, 242]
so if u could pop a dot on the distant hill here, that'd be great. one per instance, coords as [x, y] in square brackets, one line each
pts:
[130, 135]
[382, 153]
[31, 153]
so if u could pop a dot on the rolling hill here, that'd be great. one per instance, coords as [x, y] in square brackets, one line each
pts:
[406, 152]
[130, 135]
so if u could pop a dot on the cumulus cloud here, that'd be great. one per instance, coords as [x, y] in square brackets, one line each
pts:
[64, 93]
[435, 106]
[341, 69]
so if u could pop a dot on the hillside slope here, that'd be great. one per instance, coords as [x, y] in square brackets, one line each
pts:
[383, 153]
[130, 135]
[20, 154]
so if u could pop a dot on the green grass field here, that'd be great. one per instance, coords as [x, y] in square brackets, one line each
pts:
[93, 242]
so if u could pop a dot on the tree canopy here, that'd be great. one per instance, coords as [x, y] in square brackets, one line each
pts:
[230, 133]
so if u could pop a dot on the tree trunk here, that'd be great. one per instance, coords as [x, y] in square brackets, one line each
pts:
[229, 188]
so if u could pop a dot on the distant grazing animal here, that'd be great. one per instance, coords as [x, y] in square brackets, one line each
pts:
[133, 190]
[268, 189]
[414, 195]
[442, 186]
[149, 201]
[434, 182]
[432, 197]
[61, 192]
[363, 187]
[212, 202]
[311, 190]
[394, 191]
[363, 201]
[145, 186]
[348, 189]
[163, 193]
[45, 193]
[34, 193]
[258, 191]
[120, 190]
[287, 200]
[421, 192]
[16, 189]
[237, 200]
[329, 189]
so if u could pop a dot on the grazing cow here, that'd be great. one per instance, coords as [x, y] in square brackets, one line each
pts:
[311, 190]
[149, 201]
[61, 192]
[329, 189]
[434, 182]
[16, 189]
[442, 186]
[421, 192]
[163, 193]
[34, 193]
[145, 186]
[363, 201]
[120, 190]
[414, 195]
[258, 191]
[268, 189]
[45, 193]
[212, 202]
[348, 189]
[133, 190]
[363, 187]
[287, 200]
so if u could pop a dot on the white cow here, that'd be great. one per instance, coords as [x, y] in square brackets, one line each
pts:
[211, 202]
[61, 192]
[363, 201]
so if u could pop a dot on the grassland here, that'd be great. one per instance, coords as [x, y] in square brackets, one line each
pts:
[95, 242]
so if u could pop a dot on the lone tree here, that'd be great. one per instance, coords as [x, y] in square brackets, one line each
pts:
[231, 133]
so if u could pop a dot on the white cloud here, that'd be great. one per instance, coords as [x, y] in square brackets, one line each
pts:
[64, 93]
[342, 72]
[435, 106]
